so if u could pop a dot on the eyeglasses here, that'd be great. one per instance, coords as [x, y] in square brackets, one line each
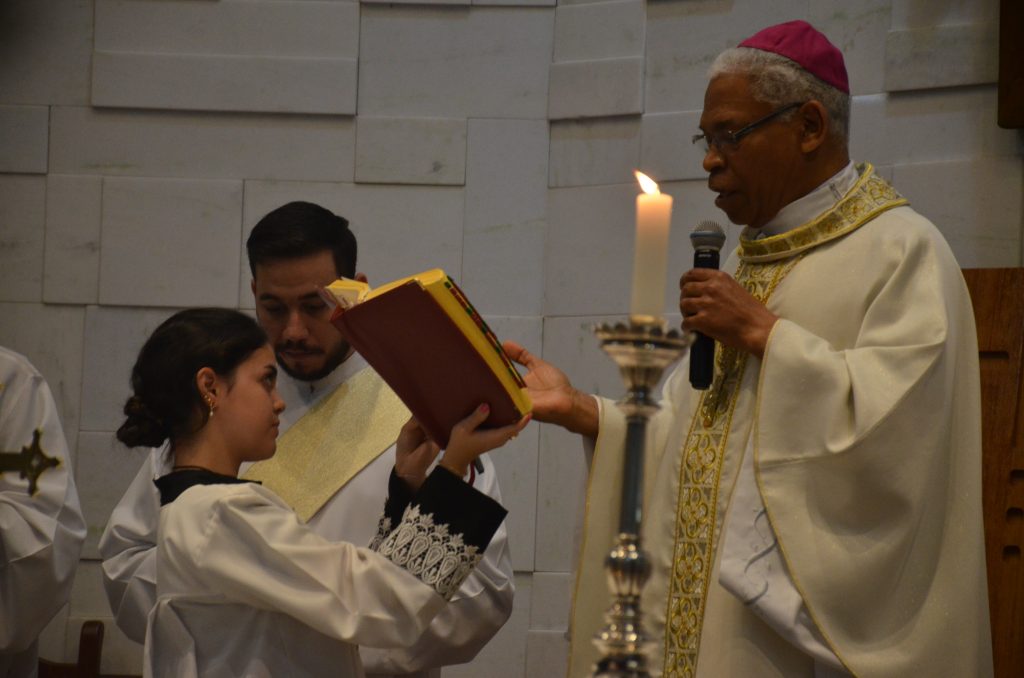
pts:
[727, 141]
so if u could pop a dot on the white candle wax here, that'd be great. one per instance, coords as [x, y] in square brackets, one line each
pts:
[653, 215]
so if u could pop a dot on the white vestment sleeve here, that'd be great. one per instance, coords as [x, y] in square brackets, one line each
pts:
[40, 536]
[128, 548]
[250, 548]
[475, 613]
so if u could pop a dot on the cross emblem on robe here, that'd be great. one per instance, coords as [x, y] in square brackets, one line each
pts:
[29, 463]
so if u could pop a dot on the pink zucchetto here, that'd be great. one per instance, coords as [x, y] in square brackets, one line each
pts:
[804, 44]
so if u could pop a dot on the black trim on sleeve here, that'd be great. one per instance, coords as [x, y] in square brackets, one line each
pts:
[399, 498]
[466, 511]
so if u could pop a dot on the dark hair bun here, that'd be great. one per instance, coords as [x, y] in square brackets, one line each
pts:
[142, 428]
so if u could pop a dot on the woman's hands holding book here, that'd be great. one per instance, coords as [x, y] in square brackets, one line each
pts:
[468, 441]
[414, 453]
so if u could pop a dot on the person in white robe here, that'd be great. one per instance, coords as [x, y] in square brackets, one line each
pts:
[243, 587]
[41, 533]
[335, 454]
[817, 511]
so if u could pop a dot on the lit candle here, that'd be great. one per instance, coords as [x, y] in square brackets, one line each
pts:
[653, 215]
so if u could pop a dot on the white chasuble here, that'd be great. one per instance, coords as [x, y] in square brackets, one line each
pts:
[864, 419]
[41, 534]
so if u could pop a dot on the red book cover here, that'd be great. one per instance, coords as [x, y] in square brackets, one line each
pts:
[427, 361]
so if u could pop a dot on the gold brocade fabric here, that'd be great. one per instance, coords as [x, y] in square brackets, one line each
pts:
[764, 263]
[869, 197]
[332, 442]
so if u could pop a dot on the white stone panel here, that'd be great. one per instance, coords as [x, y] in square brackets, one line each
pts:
[505, 655]
[552, 600]
[401, 230]
[87, 596]
[104, 471]
[170, 242]
[570, 345]
[589, 266]
[51, 640]
[506, 215]
[224, 83]
[547, 653]
[24, 134]
[683, 38]
[589, 260]
[667, 151]
[918, 14]
[478, 63]
[411, 151]
[514, 3]
[416, 2]
[941, 56]
[51, 338]
[45, 51]
[859, 30]
[71, 266]
[250, 27]
[156, 143]
[590, 89]
[591, 152]
[914, 127]
[517, 461]
[977, 204]
[601, 30]
[22, 217]
[113, 338]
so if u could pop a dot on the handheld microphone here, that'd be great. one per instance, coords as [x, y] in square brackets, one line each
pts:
[707, 238]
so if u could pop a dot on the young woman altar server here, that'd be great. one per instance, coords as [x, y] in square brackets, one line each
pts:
[244, 589]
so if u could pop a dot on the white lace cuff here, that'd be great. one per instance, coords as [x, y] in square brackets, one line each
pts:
[383, 530]
[429, 551]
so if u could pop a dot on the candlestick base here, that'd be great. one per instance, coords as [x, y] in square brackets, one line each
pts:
[643, 350]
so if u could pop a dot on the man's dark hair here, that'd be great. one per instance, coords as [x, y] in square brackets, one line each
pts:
[300, 229]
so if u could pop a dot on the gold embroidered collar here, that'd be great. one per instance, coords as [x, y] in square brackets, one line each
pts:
[868, 198]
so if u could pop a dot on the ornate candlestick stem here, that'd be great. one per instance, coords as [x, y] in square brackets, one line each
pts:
[643, 350]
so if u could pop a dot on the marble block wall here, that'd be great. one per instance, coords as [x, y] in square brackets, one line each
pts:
[140, 141]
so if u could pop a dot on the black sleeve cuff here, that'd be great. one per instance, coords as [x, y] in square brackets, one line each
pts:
[466, 511]
[399, 498]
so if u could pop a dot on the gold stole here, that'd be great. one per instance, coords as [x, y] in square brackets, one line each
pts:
[332, 442]
[763, 265]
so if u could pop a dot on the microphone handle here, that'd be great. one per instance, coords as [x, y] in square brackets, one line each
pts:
[702, 352]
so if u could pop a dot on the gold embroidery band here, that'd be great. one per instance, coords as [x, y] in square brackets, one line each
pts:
[700, 472]
[764, 263]
[868, 198]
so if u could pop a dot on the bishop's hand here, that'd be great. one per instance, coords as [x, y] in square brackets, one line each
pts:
[554, 398]
[713, 303]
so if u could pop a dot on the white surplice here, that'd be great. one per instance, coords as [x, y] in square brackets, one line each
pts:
[247, 590]
[455, 635]
[40, 536]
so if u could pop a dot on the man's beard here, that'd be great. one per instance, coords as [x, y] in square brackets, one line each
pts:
[331, 362]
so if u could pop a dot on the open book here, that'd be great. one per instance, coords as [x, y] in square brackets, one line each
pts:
[432, 348]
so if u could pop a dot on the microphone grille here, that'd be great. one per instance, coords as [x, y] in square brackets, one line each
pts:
[708, 235]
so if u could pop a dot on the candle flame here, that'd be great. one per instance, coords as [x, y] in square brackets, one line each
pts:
[649, 185]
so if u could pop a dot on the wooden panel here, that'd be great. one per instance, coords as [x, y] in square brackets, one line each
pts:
[998, 297]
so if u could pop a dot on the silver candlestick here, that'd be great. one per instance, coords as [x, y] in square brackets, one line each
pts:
[643, 350]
